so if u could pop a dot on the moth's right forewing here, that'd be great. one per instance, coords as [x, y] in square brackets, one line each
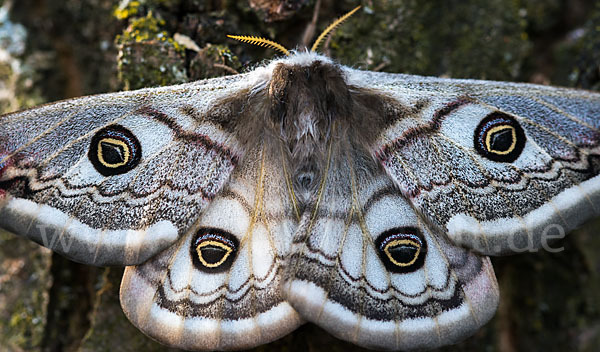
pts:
[495, 201]
[114, 178]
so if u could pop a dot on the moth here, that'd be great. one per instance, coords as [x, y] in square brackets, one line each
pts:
[364, 202]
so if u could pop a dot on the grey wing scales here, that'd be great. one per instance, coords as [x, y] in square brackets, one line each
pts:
[494, 201]
[115, 178]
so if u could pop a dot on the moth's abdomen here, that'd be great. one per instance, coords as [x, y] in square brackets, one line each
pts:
[312, 108]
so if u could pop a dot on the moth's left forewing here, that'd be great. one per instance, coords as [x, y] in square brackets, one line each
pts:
[500, 167]
[115, 178]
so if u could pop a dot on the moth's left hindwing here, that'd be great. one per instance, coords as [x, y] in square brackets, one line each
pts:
[219, 287]
[115, 178]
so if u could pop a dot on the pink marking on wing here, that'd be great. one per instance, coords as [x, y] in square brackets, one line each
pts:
[7, 157]
[4, 163]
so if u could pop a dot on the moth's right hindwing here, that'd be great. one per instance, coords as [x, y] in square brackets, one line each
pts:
[500, 167]
[218, 287]
[115, 178]
[367, 268]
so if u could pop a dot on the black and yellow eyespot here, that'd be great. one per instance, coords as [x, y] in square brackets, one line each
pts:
[213, 250]
[402, 250]
[499, 137]
[114, 150]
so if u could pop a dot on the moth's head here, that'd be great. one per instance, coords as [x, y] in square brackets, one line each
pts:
[307, 83]
[305, 90]
[298, 57]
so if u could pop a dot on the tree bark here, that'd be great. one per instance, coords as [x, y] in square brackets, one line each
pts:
[549, 300]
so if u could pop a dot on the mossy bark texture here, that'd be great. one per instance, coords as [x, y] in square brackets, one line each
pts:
[53, 50]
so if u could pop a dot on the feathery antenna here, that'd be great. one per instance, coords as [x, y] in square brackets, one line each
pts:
[250, 39]
[331, 28]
